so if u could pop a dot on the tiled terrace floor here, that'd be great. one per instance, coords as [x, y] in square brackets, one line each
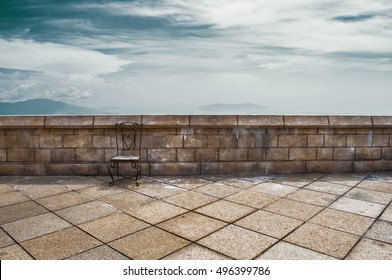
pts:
[312, 216]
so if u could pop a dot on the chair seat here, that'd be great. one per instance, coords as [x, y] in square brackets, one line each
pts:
[125, 158]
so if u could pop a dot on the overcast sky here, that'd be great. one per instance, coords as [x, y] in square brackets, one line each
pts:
[171, 56]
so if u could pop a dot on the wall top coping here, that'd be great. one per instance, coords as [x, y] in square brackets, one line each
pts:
[206, 121]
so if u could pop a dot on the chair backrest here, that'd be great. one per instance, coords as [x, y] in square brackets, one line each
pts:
[128, 137]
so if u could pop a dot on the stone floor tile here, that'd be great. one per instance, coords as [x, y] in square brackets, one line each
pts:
[60, 244]
[113, 227]
[376, 186]
[327, 187]
[30, 180]
[237, 242]
[381, 231]
[245, 182]
[36, 226]
[195, 252]
[225, 210]
[387, 215]
[188, 183]
[20, 211]
[101, 191]
[5, 239]
[86, 212]
[381, 176]
[328, 241]
[287, 251]
[274, 189]
[192, 226]
[252, 198]
[64, 200]
[190, 200]
[356, 206]
[159, 190]
[14, 252]
[218, 190]
[38, 191]
[269, 223]
[344, 221]
[344, 179]
[103, 252]
[127, 200]
[369, 195]
[294, 209]
[368, 249]
[10, 198]
[4, 188]
[78, 182]
[156, 212]
[313, 197]
[296, 180]
[149, 244]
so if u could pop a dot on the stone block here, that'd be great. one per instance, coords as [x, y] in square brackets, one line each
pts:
[329, 166]
[233, 154]
[165, 120]
[325, 153]
[195, 141]
[87, 131]
[229, 168]
[110, 121]
[50, 141]
[25, 168]
[369, 131]
[277, 154]
[62, 155]
[185, 155]
[266, 140]
[367, 153]
[175, 168]
[246, 141]
[213, 121]
[162, 141]
[222, 141]
[325, 131]
[292, 140]
[21, 121]
[22, 131]
[281, 167]
[22, 141]
[102, 141]
[344, 153]
[381, 140]
[302, 153]
[307, 121]
[260, 121]
[387, 153]
[301, 130]
[3, 155]
[373, 166]
[350, 121]
[359, 140]
[20, 154]
[346, 131]
[161, 155]
[71, 169]
[206, 154]
[315, 140]
[42, 155]
[256, 154]
[335, 140]
[166, 131]
[90, 155]
[69, 121]
[382, 121]
[77, 141]
[206, 131]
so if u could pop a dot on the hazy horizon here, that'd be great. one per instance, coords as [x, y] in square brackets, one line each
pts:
[299, 57]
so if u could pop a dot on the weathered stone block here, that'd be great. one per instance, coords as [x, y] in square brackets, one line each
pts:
[344, 153]
[3, 155]
[261, 121]
[71, 169]
[213, 121]
[302, 153]
[206, 154]
[233, 154]
[232, 168]
[91, 155]
[266, 140]
[369, 131]
[69, 121]
[325, 153]
[25, 168]
[381, 140]
[308, 131]
[387, 153]
[382, 121]
[165, 120]
[315, 140]
[281, 167]
[195, 141]
[42, 155]
[367, 153]
[102, 141]
[346, 131]
[350, 121]
[21, 121]
[50, 141]
[335, 140]
[110, 121]
[206, 131]
[77, 141]
[20, 154]
[256, 154]
[292, 140]
[185, 155]
[162, 141]
[329, 166]
[222, 141]
[373, 166]
[22, 141]
[62, 155]
[161, 155]
[164, 131]
[277, 154]
[325, 131]
[175, 168]
[308, 121]
[359, 140]
[246, 141]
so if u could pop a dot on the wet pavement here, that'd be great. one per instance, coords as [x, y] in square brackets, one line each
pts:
[304, 216]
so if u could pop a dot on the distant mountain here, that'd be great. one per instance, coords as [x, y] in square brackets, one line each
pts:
[41, 106]
[235, 108]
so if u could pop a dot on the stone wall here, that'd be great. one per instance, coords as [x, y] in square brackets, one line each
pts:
[197, 144]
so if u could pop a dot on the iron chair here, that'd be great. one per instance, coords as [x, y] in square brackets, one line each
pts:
[128, 150]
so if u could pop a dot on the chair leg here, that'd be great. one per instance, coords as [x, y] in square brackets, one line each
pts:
[110, 166]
